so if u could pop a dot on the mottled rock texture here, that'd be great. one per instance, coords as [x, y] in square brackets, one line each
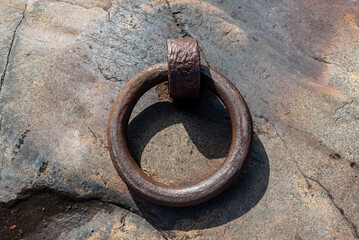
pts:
[62, 64]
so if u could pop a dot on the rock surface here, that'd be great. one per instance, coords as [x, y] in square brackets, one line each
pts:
[62, 64]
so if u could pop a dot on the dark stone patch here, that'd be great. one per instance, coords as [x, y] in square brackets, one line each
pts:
[35, 210]
[24, 216]
[335, 156]
[43, 167]
[21, 141]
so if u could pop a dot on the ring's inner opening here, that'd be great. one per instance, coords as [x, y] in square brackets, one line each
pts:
[182, 142]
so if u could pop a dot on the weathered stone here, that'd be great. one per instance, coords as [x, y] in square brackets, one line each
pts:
[51, 215]
[296, 63]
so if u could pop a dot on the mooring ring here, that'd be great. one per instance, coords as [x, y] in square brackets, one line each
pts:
[179, 196]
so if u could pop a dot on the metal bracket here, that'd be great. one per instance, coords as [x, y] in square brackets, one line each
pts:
[183, 68]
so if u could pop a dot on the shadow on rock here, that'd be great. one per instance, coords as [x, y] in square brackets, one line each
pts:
[205, 119]
[212, 126]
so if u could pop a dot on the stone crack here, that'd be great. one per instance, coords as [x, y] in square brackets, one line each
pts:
[345, 104]
[352, 225]
[330, 196]
[322, 60]
[97, 138]
[32, 192]
[10, 48]
[28, 194]
[180, 25]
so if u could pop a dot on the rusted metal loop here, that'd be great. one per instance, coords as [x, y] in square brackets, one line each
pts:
[168, 195]
[183, 60]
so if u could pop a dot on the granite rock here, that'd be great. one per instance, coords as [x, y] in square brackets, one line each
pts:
[62, 64]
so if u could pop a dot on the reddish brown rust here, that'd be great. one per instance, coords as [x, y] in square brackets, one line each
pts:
[168, 195]
[183, 68]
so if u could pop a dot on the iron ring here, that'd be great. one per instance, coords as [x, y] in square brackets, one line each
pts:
[179, 196]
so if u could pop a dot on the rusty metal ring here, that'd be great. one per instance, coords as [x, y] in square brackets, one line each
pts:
[175, 196]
